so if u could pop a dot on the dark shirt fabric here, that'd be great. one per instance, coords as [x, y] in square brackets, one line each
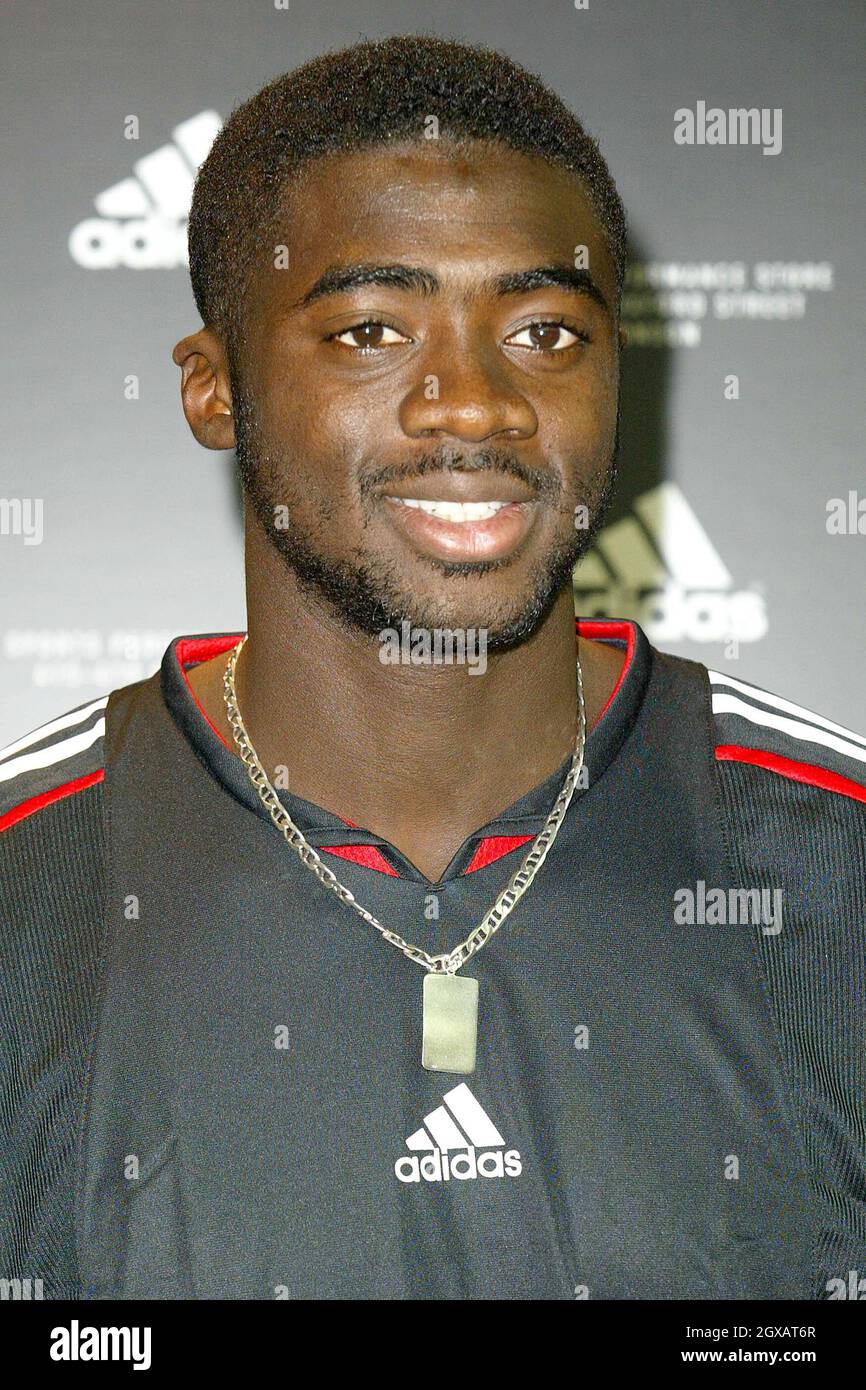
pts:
[210, 1075]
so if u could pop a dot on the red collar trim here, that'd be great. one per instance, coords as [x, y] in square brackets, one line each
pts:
[596, 629]
[492, 847]
[368, 855]
[191, 650]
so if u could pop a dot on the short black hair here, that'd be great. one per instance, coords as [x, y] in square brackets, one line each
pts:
[362, 97]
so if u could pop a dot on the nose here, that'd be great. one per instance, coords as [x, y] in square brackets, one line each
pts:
[469, 396]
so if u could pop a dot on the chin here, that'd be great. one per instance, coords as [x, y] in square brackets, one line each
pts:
[506, 614]
[370, 589]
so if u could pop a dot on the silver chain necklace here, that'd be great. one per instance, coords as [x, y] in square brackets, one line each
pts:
[450, 1005]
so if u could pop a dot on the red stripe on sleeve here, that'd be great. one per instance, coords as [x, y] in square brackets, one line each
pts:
[29, 808]
[788, 767]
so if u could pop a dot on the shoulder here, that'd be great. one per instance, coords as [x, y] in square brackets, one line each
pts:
[61, 759]
[51, 893]
[51, 836]
[793, 793]
[793, 801]
[785, 743]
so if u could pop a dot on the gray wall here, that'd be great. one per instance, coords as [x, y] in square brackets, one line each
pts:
[720, 529]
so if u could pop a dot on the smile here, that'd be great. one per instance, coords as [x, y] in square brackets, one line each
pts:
[453, 511]
[462, 531]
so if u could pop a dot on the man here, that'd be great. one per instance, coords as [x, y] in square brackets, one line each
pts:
[225, 887]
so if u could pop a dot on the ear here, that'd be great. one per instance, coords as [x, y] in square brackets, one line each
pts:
[204, 388]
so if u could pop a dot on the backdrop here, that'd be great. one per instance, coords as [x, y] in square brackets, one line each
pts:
[735, 134]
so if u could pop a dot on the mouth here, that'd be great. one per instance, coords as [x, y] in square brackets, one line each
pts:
[488, 529]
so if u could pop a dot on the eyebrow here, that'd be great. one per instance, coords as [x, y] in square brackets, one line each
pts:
[417, 280]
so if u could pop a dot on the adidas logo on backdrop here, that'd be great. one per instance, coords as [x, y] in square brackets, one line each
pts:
[142, 219]
[659, 567]
[458, 1140]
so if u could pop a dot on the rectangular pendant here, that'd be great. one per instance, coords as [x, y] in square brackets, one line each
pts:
[450, 1023]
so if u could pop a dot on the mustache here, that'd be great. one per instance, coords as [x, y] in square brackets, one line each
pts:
[491, 460]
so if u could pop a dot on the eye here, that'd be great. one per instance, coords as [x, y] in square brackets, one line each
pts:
[368, 336]
[546, 336]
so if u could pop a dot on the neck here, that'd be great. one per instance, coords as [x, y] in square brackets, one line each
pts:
[421, 755]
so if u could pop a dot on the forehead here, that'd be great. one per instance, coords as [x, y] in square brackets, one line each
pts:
[461, 209]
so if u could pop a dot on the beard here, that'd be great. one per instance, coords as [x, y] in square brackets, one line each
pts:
[366, 593]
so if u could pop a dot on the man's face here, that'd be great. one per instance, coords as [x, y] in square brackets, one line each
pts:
[426, 443]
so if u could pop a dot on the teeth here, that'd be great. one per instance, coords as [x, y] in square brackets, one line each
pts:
[454, 511]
